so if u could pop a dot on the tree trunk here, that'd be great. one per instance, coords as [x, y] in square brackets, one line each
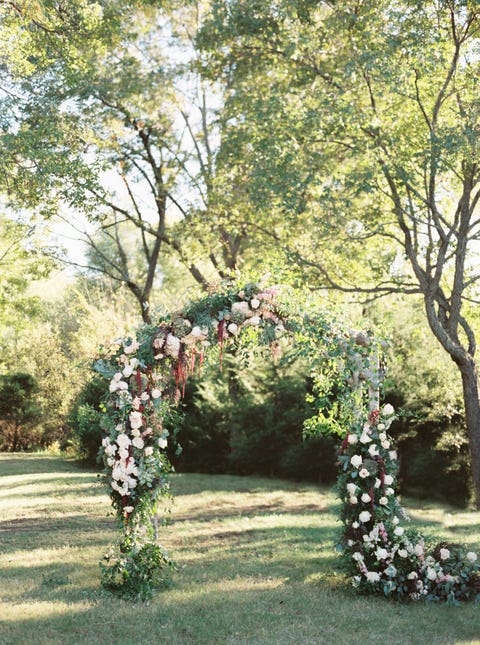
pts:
[469, 373]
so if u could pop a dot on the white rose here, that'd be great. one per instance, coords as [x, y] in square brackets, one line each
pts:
[138, 442]
[135, 432]
[471, 556]
[385, 445]
[378, 483]
[144, 396]
[383, 501]
[162, 443]
[105, 442]
[123, 453]
[418, 549]
[148, 451]
[388, 480]
[399, 530]
[127, 371]
[254, 303]
[172, 346]
[364, 516]
[352, 439]
[110, 462]
[393, 455]
[388, 410]
[413, 575]
[130, 349]
[366, 498]
[254, 320]
[356, 461]
[233, 329]
[403, 553]
[355, 525]
[382, 554]
[357, 556]
[351, 488]
[123, 441]
[372, 576]
[389, 491]
[373, 450]
[431, 574]
[381, 426]
[395, 520]
[444, 554]
[353, 499]
[363, 473]
[135, 419]
[365, 438]
[128, 509]
[156, 393]
[110, 450]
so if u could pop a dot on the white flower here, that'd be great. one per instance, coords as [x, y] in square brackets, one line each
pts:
[128, 509]
[385, 445]
[123, 453]
[381, 426]
[144, 396]
[138, 442]
[403, 553]
[383, 501]
[393, 455]
[111, 449]
[364, 516]
[355, 525]
[365, 438]
[357, 556]
[471, 556]
[135, 419]
[105, 442]
[395, 520]
[352, 439]
[382, 554]
[356, 461]
[172, 346]
[351, 488]
[398, 530]
[148, 451]
[413, 575]
[418, 549]
[389, 491]
[254, 303]
[353, 499]
[127, 371]
[363, 473]
[233, 328]
[373, 450]
[444, 554]
[132, 348]
[388, 479]
[372, 576]
[123, 441]
[378, 483]
[254, 320]
[388, 410]
[366, 498]
[136, 403]
[156, 393]
[117, 377]
[110, 461]
[162, 443]
[431, 574]
[135, 432]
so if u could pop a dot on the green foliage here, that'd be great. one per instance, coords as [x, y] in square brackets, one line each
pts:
[85, 420]
[138, 571]
[19, 409]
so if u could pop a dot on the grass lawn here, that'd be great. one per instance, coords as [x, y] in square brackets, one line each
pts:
[256, 565]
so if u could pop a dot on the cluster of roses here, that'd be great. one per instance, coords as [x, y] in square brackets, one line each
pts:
[381, 556]
[132, 452]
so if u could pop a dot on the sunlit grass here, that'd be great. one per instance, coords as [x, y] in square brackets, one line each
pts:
[256, 564]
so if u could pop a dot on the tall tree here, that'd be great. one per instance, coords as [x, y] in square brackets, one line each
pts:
[124, 134]
[387, 113]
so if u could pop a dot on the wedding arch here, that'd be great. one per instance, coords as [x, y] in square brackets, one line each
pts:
[146, 376]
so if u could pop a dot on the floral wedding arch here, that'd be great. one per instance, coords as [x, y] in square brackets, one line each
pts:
[146, 376]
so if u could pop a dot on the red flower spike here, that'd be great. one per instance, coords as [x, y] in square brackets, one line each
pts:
[139, 381]
[344, 445]
[373, 417]
[221, 335]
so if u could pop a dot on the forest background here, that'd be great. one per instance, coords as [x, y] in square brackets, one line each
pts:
[152, 150]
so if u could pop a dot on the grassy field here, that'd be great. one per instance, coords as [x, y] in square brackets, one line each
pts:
[255, 556]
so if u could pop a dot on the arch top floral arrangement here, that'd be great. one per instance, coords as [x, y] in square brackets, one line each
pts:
[145, 377]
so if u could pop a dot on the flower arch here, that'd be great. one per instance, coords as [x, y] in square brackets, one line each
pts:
[146, 376]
